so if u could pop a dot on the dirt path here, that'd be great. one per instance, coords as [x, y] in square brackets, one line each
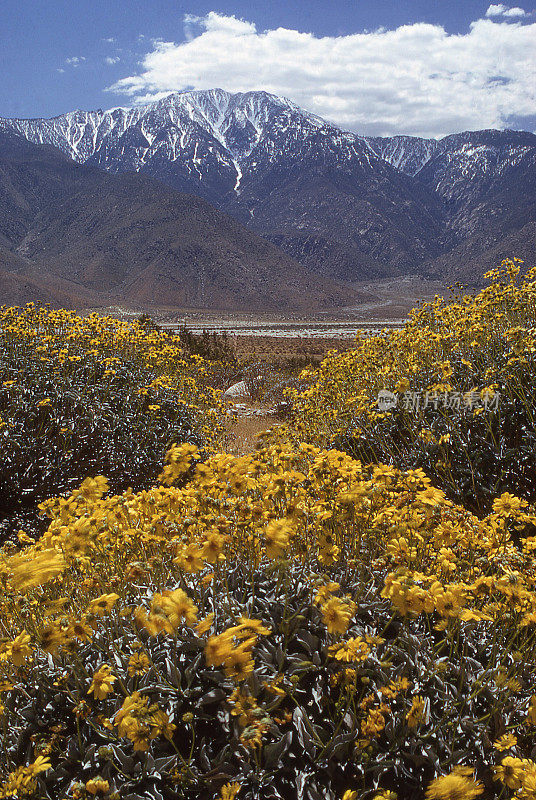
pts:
[244, 425]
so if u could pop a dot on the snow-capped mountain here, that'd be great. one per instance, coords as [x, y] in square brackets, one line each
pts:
[409, 154]
[460, 164]
[321, 193]
[214, 131]
[342, 204]
[464, 164]
[235, 121]
[199, 134]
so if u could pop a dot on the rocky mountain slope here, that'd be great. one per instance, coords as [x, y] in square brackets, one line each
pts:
[75, 234]
[320, 193]
[486, 182]
[345, 206]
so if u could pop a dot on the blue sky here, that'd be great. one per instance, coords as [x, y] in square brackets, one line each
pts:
[380, 66]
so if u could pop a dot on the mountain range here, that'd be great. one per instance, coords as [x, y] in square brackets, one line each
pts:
[295, 209]
[73, 234]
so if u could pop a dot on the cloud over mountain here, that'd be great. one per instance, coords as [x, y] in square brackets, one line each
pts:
[417, 79]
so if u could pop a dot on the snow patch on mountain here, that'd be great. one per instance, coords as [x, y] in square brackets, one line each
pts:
[215, 141]
[408, 154]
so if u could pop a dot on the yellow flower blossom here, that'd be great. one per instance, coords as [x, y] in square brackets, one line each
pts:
[103, 604]
[354, 649]
[229, 791]
[41, 567]
[455, 786]
[505, 742]
[277, 535]
[97, 786]
[337, 614]
[511, 772]
[18, 649]
[416, 714]
[138, 664]
[93, 488]
[102, 682]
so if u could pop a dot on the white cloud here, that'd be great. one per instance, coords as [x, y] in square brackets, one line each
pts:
[417, 79]
[75, 61]
[110, 60]
[515, 12]
[500, 10]
[110, 40]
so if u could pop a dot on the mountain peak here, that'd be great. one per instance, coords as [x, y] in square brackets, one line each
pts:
[347, 205]
[217, 112]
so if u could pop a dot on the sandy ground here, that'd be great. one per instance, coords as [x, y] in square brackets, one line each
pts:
[390, 301]
[242, 429]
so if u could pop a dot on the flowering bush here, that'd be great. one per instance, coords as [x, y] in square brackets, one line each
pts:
[294, 624]
[92, 395]
[452, 357]
[289, 624]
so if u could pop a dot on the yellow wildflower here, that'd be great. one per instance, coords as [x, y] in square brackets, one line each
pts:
[507, 504]
[97, 786]
[455, 786]
[18, 649]
[94, 488]
[531, 715]
[229, 791]
[138, 664]
[102, 683]
[101, 605]
[204, 625]
[277, 537]
[510, 772]
[373, 724]
[416, 714]
[40, 568]
[337, 614]
[355, 649]
[505, 742]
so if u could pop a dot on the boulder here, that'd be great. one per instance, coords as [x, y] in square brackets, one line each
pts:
[236, 390]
